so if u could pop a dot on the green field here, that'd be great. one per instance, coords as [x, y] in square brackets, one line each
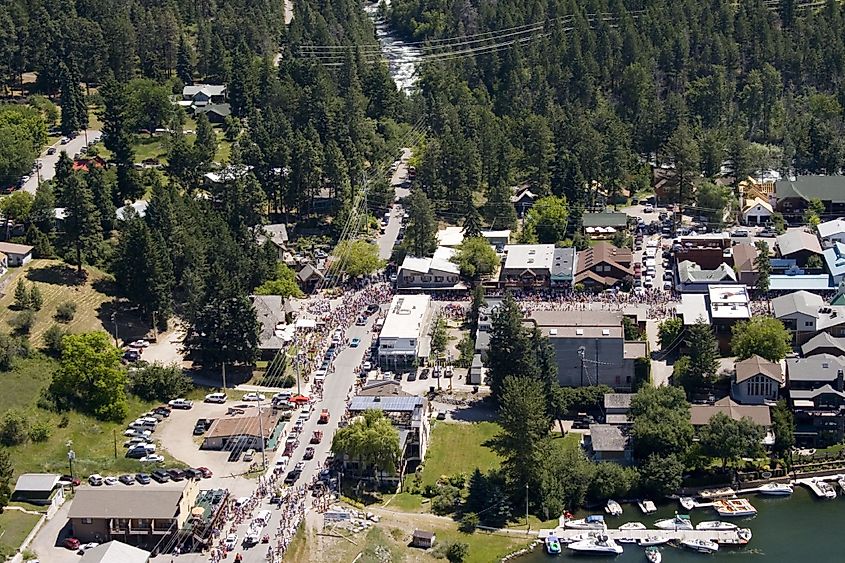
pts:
[458, 448]
[14, 527]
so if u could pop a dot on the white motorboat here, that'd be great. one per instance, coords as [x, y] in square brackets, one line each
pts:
[598, 545]
[826, 489]
[647, 506]
[687, 503]
[652, 540]
[613, 508]
[841, 483]
[701, 546]
[734, 507]
[679, 522]
[632, 526]
[624, 539]
[715, 525]
[578, 537]
[652, 555]
[776, 489]
[592, 522]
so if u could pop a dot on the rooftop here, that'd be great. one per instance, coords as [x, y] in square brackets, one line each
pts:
[277, 232]
[692, 308]
[408, 403]
[563, 263]
[690, 272]
[269, 310]
[823, 340]
[797, 240]
[383, 388]
[831, 228]
[744, 255]
[805, 394]
[755, 365]
[618, 400]
[208, 89]
[37, 482]
[115, 552]
[701, 414]
[406, 317]
[554, 319]
[162, 501]
[834, 257]
[728, 302]
[608, 438]
[140, 208]
[426, 265]
[804, 282]
[757, 201]
[825, 188]
[821, 367]
[616, 220]
[12, 248]
[529, 256]
[450, 236]
[247, 424]
[797, 302]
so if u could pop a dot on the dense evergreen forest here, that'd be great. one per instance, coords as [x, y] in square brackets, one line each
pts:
[583, 100]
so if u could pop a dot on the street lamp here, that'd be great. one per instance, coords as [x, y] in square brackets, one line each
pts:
[71, 455]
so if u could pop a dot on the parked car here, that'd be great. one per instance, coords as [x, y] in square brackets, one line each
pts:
[71, 544]
[162, 411]
[309, 453]
[95, 480]
[176, 474]
[205, 472]
[181, 403]
[215, 398]
[142, 478]
[249, 455]
[253, 397]
[160, 475]
[51, 150]
[68, 480]
[740, 233]
[152, 458]
[192, 474]
[127, 479]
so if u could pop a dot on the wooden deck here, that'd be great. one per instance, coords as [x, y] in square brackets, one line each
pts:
[722, 537]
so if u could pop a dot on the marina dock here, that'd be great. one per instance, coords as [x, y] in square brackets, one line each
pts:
[722, 537]
[812, 483]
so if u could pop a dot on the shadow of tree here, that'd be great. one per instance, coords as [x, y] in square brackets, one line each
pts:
[55, 274]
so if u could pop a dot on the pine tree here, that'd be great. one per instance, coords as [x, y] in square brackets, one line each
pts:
[101, 192]
[511, 352]
[118, 139]
[703, 350]
[184, 63]
[472, 220]
[242, 85]
[421, 233]
[22, 297]
[71, 120]
[498, 210]
[36, 299]
[205, 145]
[83, 231]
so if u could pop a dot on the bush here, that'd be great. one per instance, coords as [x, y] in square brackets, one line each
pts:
[447, 501]
[39, 432]
[457, 552]
[458, 480]
[159, 382]
[469, 522]
[13, 428]
[24, 321]
[66, 311]
[288, 382]
[53, 340]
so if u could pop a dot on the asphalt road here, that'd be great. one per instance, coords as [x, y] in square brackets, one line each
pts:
[387, 241]
[48, 161]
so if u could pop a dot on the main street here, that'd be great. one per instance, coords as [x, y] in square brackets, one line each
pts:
[49, 161]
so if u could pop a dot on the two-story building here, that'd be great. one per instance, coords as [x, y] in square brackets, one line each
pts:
[424, 274]
[798, 245]
[693, 279]
[144, 517]
[817, 397]
[404, 340]
[610, 443]
[527, 266]
[806, 314]
[756, 381]
[794, 195]
[603, 265]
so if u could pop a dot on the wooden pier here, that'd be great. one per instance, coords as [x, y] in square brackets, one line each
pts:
[722, 537]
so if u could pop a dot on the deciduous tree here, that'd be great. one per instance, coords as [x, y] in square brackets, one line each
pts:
[763, 336]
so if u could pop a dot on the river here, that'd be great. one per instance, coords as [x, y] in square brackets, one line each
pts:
[402, 59]
[797, 529]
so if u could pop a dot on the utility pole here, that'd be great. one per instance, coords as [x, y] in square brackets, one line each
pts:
[581, 353]
[527, 522]
[261, 431]
[114, 437]
[224, 377]
[114, 322]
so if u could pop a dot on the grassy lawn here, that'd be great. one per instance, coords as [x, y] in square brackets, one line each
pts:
[458, 448]
[483, 546]
[405, 502]
[15, 526]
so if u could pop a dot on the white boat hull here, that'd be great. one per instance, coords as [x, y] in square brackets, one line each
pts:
[647, 542]
[702, 546]
[777, 491]
[673, 525]
[716, 525]
[594, 548]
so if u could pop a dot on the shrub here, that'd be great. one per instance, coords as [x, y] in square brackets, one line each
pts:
[159, 382]
[447, 501]
[39, 432]
[13, 428]
[469, 522]
[457, 552]
[24, 321]
[64, 421]
[66, 311]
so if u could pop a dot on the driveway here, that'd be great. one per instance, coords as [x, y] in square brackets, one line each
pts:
[48, 161]
[47, 542]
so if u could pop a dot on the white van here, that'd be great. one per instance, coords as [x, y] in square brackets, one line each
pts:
[262, 518]
[215, 398]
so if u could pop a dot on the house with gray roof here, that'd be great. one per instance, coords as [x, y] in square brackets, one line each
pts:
[275, 234]
[817, 397]
[608, 442]
[756, 381]
[274, 332]
[216, 113]
[41, 489]
[823, 343]
[793, 195]
[115, 552]
[410, 416]
[806, 314]
[833, 230]
[616, 407]
[834, 259]
[198, 95]
[428, 274]
[527, 266]
[799, 245]
[693, 279]
[564, 263]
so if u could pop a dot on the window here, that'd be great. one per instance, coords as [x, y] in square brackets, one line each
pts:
[438, 278]
[426, 278]
[808, 323]
[412, 342]
[87, 521]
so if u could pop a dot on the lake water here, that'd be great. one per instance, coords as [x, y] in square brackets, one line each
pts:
[796, 529]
